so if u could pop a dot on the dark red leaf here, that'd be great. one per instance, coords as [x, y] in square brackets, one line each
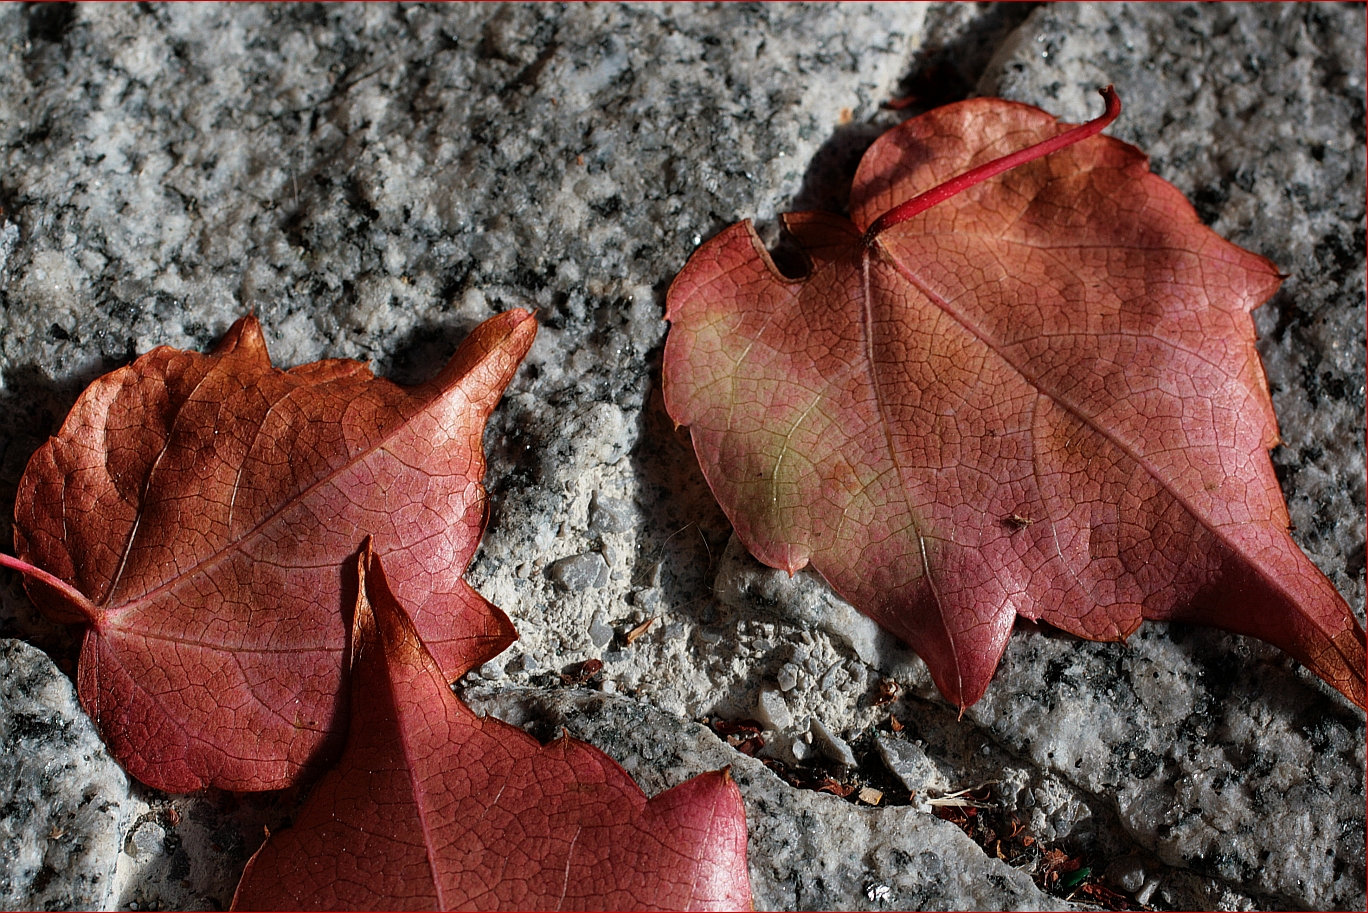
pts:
[1028, 393]
[432, 807]
[197, 513]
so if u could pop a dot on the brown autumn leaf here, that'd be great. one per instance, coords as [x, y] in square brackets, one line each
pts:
[1014, 383]
[197, 513]
[432, 807]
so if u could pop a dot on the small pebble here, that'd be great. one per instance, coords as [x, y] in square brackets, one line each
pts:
[1143, 896]
[600, 634]
[788, 677]
[833, 676]
[648, 599]
[907, 762]
[859, 675]
[609, 515]
[1126, 874]
[831, 745]
[149, 839]
[524, 663]
[579, 572]
[771, 710]
[878, 893]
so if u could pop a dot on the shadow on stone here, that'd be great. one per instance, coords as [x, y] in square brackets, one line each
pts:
[425, 349]
[34, 406]
[946, 69]
[685, 530]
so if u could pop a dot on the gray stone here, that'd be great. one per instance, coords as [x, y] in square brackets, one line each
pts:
[76, 834]
[600, 634]
[1058, 812]
[909, 763]
[9, 238]
[832, 677]
[647, 600]
[1147, 890]
[803, 598]
[579, 572]
[525, 663]
[63, 800]
[375, 180]
[831, 745]
[808, 850]
[1189, 760]
[1126, 874]
[609, 515]
[771, 710]
[147, 839]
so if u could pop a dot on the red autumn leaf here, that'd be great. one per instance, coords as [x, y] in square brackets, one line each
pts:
[197, 513]
[1032, 394]
[433, 807]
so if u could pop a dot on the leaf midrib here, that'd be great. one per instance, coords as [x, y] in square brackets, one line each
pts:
[1068, 405]
[209, 562]
[867, 323]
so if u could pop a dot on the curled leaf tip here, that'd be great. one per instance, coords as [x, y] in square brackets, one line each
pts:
[1113, 102]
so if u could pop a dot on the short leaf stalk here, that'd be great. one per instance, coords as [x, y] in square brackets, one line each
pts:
[78, 599]
[942, 192]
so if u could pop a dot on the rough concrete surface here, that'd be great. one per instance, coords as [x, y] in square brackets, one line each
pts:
[63, 796]
[372, 181]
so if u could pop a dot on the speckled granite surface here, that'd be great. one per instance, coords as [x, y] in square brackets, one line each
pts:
[374, 180]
